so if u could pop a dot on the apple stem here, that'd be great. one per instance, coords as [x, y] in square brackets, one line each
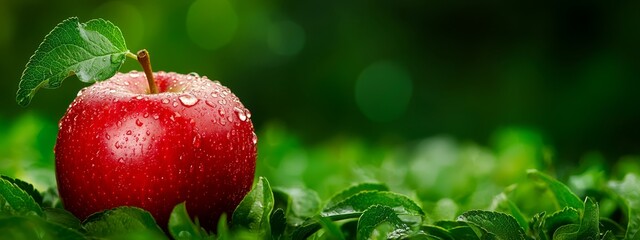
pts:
[143, 58]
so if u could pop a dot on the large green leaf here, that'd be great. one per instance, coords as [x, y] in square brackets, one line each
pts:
[353, 190]
[254, 211]
[358, 203]
[500, 225]
[93, 51]
[15, 201]
[563, 195]
[122, 222]
[376, 215]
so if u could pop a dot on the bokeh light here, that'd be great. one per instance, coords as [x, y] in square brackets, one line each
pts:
[285, 37]
[211, 23]
[383, 91]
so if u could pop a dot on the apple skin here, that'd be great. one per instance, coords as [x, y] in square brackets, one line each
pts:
[120, 146]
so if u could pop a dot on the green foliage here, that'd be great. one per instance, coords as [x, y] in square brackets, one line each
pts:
[92, 51]
[386, 204]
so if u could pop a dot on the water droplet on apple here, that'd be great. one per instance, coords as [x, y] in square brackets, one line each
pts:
[133, 74]
[210, 103]
[195, 74]
[165, 101]
[138, 122]
[188, 100]
[240, 113]
[128, 132]
[254, 138]
[196, 141]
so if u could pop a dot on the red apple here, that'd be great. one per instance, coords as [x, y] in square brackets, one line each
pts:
[119, 145]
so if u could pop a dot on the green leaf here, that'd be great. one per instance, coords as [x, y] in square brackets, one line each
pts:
[588, 228]
[376, 215]
[629, 192]
[438, 232]
[15, 201]
[63, 218]
[332, 231]
[354, 206]
[501, 225]
[93, 51]
[563, 195]
[355, 190]
[255, 209]
[301, 203]
[503, 204]
[278, 223]
[590, 224]
[223, 228]
[28, 228]
[568, 215]
[122, 222]
[181, 226]
[463, 232]
[27, 187]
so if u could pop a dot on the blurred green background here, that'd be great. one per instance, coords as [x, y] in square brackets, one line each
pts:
[340, 84]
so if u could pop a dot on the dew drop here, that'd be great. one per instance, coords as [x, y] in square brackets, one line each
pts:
[188, 100]
[138, 122]
[196, 141]
[80, 93]
[215, 93]
[107, 136]
[175, 104]
[165, 101]
[241, 115]
[148, 133]
[139, 97]
[121, 160]
[133, 74]
[128, 132]
[221, 112]
[145, 115]
[254, 138]
[156, 116]
[195, 74]
[119, 123]
[213, 105]
[126, 83]
[117, 145]
[222, 101]
[248, 113]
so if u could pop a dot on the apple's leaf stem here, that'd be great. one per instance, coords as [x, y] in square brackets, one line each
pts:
[143, 58]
